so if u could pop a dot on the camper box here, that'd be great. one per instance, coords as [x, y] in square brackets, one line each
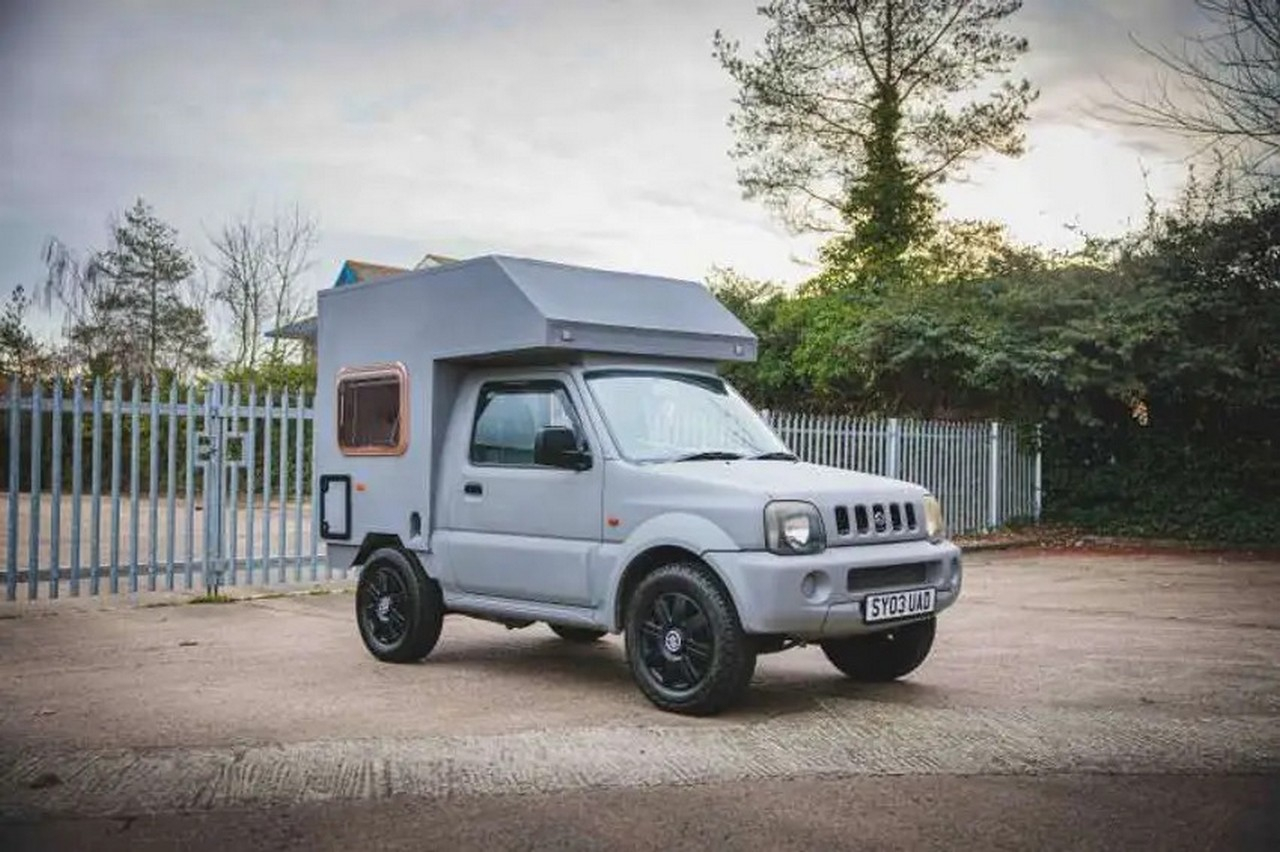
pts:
[415, 335]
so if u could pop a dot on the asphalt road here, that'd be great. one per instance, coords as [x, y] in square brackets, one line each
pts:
[1072, 701]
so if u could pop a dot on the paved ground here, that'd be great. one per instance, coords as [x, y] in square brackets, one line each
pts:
[1073, 700]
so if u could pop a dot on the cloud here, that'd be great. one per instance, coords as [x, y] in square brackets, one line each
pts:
[587, 131]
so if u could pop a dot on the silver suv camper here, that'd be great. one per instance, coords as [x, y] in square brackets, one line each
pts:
[526, 442]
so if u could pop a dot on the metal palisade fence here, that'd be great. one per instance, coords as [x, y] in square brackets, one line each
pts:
[124, 486]
[986, 474]
[129, 486]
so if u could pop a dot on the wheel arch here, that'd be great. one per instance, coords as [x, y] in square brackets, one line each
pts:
[375, 541]
[651, 559]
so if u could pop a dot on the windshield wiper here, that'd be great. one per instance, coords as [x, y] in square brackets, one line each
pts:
[777, 455]
[711, 455]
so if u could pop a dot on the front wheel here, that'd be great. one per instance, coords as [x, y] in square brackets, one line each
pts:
[884, 656]
[685, 646]
[398, 608]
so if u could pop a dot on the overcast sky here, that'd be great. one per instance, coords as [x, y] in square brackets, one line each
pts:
[585, 131]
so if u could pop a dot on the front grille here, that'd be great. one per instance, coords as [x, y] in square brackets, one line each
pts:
[877, 521]
[892, 576]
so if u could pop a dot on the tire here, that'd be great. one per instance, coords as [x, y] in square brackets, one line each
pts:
[577, 635]
[673, 611]
[884, 656]
[398, 608]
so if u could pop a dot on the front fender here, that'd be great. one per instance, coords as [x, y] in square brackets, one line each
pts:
[689, 532]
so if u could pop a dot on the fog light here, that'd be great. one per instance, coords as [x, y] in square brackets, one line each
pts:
[816, 586]
[954, 582]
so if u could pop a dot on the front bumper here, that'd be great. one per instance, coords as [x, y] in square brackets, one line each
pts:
[821, 596]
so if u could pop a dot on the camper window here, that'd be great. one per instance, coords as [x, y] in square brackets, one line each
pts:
[373, 411]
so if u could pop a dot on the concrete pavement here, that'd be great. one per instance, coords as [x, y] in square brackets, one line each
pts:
[1107, 695]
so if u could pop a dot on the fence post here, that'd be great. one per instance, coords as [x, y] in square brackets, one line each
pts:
[55, 489]
[892, 456]
[15, 450]
[37, 433]
[1039, 483]
[993, 509]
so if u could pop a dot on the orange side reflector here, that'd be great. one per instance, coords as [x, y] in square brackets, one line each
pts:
[613, 522]
[360, 486]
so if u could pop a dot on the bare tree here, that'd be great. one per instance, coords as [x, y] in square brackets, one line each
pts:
[1221, 88]
[242, 284]
[258, 267]
[291, 238]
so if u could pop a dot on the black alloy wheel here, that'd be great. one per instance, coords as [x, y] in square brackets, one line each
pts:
[398, 608]
[685, 645]
[676, 642]
[385, 612]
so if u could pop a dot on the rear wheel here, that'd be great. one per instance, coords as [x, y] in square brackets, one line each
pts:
[884, 656]
[685, 646]
[398, 608]
[578, 635]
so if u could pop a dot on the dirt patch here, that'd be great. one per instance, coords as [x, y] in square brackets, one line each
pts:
[1052, 538]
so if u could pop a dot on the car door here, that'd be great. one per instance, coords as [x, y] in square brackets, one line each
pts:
[521, 530]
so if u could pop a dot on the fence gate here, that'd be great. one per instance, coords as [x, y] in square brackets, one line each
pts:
[159, 489]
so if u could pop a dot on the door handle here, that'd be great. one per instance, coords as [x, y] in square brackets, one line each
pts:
[474, 488]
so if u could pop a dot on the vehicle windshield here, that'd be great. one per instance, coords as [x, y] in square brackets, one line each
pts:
[659, 416]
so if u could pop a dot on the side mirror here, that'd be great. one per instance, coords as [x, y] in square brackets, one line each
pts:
[557, 446]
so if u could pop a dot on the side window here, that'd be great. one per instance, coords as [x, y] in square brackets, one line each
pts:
[373, 410]
[509, 416]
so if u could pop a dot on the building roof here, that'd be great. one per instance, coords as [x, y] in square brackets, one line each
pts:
[430, 260]
[303, 329]
[355, 271]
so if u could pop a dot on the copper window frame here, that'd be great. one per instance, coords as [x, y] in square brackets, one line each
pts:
[375, 371]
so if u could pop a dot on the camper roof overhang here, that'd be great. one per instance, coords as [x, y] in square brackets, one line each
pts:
[496, 307]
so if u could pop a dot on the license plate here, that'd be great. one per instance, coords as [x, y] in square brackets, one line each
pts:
[897, 605]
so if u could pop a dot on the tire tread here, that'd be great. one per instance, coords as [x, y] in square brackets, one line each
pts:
[884, 656]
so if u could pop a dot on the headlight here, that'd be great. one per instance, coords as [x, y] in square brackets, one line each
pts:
[793, 527]
[934, 527]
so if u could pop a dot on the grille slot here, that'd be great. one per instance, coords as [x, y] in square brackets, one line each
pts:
[891, 576]
[842, 520]
[860, 515]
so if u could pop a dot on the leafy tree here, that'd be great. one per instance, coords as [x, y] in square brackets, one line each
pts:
[275, 373]
[853, 111]
[21, 354]
[778, 321]
[130, 309]
[843, 349]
